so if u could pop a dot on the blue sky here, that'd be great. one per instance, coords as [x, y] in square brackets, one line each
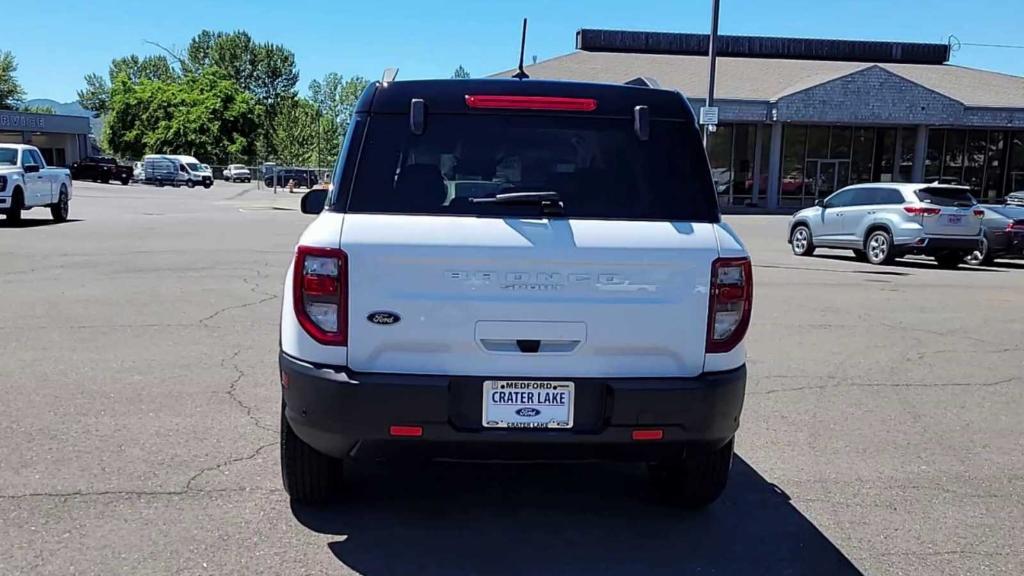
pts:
[429, 39]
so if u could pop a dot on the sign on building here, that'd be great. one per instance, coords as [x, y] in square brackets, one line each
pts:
[709, 115]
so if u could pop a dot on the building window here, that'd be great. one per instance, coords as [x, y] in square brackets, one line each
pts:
[908, 140]
[885, 143]
[863, 152]
[1015, 166]
[994, 169]
[974, 159]
[744, 139]
[953, 159]
[933, 160]
[794, 153]
[720, 158]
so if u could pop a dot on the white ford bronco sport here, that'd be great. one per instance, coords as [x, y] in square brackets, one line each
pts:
[516, 269]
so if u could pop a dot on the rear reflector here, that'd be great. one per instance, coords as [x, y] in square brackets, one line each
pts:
[407, 431]
[531, 103]
[648, 434]
[921, 211]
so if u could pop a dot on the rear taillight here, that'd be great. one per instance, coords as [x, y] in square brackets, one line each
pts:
[922, 211]
[531, 103]
[732, 295]
[320, 289]
[1015, 225]
[979, 213]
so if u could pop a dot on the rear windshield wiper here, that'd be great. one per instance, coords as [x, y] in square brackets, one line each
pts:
[550, 202]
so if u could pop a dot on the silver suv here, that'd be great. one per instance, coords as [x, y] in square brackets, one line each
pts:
[882, 222]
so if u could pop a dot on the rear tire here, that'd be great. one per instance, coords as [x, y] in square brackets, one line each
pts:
[309, 477]
[190, 184]
[802, 241]
[696, 480]
[879, 249]
[949, 260]
[59, 211]
[982, 256]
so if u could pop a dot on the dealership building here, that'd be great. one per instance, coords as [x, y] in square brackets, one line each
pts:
[801, 118]
[61, 139]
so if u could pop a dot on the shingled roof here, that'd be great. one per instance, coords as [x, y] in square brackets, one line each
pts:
[768, 79]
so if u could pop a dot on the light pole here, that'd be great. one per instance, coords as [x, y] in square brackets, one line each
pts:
[712, 54]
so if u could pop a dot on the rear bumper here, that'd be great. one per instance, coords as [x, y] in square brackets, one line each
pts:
[931, 245]
[348, 414]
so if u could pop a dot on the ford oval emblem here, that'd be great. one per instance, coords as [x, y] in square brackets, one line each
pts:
[528, 412]
[383, 318]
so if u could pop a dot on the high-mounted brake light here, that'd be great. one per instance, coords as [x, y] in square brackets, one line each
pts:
[531, 103]
[730, 303]
[921, 211]
[320, 293]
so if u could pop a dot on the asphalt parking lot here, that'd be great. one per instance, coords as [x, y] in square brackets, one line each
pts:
[883, 431]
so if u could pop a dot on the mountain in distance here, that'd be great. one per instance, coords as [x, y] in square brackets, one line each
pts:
[68, 109]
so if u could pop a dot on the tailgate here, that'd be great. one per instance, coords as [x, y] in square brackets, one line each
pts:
[527, 297]
[955, 211]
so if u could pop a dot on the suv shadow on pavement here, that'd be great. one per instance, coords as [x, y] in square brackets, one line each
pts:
[33, 222]
[585, 519]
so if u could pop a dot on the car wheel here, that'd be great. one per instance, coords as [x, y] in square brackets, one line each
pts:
[879, 249]
[949, 260]
[207, 184]
[59, 211]
[126, 180]
[696, 480]
[801, 241]
[17, 204]
[309, 476]
[982, 256]
[190, 184]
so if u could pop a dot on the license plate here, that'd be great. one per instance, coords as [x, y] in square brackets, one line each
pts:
[527, 404]
[955, 219]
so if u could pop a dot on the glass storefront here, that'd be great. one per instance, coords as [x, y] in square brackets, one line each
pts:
[731, 151]
[991, 162]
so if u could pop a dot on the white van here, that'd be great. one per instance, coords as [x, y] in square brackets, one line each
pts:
[193, 171]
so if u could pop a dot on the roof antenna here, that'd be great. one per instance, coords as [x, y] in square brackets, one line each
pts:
[521, 74]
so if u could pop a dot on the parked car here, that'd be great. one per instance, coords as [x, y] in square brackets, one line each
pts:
[237, 173]
[302, 178]
[592, 306]
[1003, 237]
[101, 169]
[1015, 198]
[882, 222]
[195, 172]
[26, 182]
[138, 171]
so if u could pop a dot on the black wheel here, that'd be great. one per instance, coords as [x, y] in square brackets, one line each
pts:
[207, 184]
[878, 248]
[17, 204]
[982, 256]
[309, 476]
[105, 180]
[59, 211]
[190, 184]
[697, 479]
[126, 180]
[949, 260]
[801, 241]
[860, 255]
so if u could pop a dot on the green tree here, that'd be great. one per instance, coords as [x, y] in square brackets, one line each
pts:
[11, 94]
[96, 94]
[295, 132]
[460, 73]
[265, 70]
[335, 99]
[204, 115]
[38, 109]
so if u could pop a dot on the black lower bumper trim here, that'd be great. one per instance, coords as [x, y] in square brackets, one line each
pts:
[346, 413]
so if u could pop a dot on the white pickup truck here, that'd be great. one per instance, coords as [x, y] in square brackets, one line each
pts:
[26, 182]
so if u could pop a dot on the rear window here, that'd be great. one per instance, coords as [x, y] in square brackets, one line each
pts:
[598, 167]
[946, 196]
